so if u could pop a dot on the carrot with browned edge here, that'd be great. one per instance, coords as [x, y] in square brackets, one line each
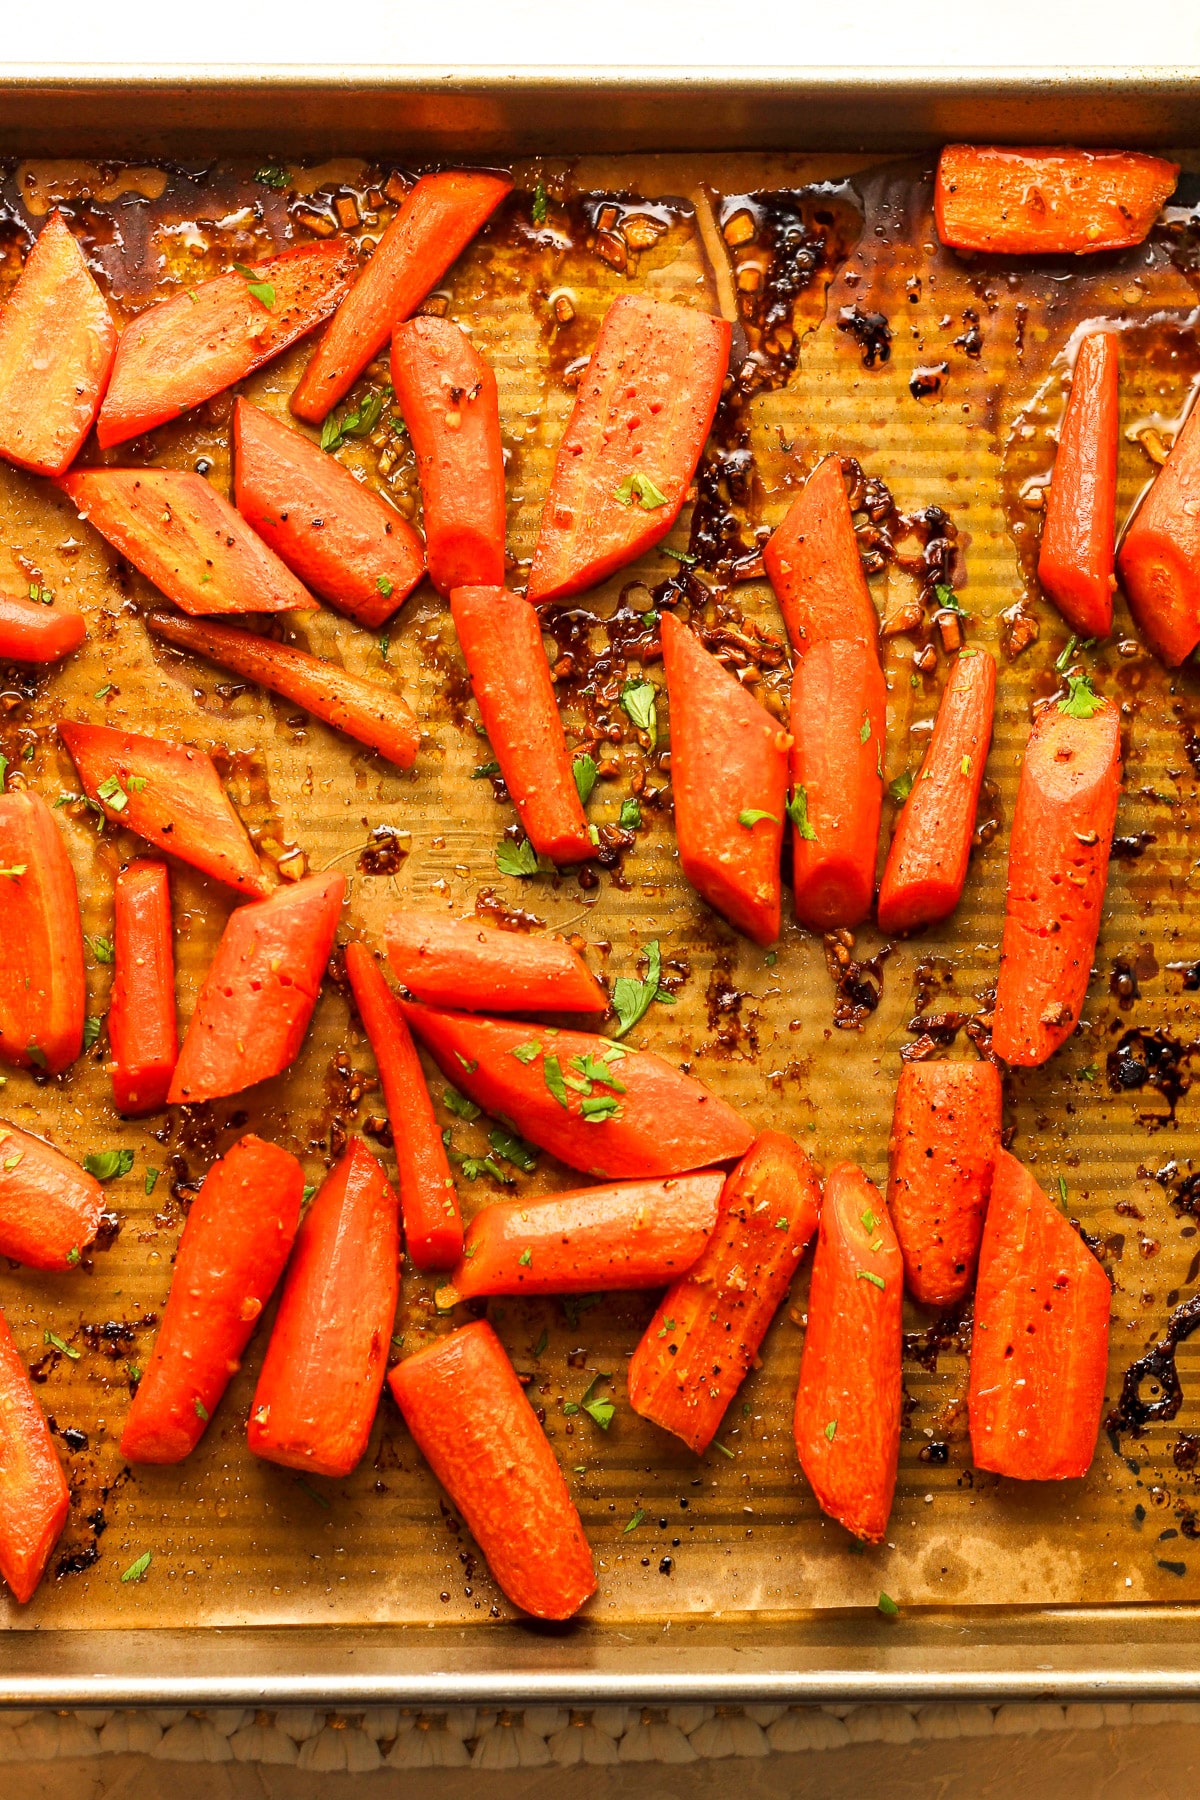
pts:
[930, 851]
[434, 225]
[49, 1207]
[1159, 559]
[33, 632]
[1042, 201]
[1039, 1345]
[433, 1231]
[813, 563]
[1075, 562]
[235, 1243]
[34, 1497]
[141, 1009]
[319, 1387]
[945, 1134]
[703, 1340]
[475, 967]
[447, 393]
[474, 1426]
[839, 706]
[1057, 869]
[42, 990]
[501, 640]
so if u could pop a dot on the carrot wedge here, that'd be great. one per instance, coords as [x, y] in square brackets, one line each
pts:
[839, 705]
[847, 1420]
[638, 1119]
[945, 1134]
[31, 632]
[1057, 869]
[260, 991]
[49, 1207]
[501, 639]
[186, 539]
[42, 990]
[141, 1010]
[435, 224]
[1075, 563]
[930, 851]
[729, 774]
[447, 393]
[34, 1497]
[813, 563]
[701, 1343]
[57, 343]
[323, 1371]
[433, 1232]
[377, 716]
[235, 1243]
[1159, 559]
[341, 538]
[642, 413]
[1039, 1348]
[471, 1421]
[1039, 202]
[465, 964]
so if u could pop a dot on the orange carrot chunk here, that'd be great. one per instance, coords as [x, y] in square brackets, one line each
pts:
[1039, 1348]
[42, 991]
[1159, 560]
[34, 1498]
[848, 1405]
[927, 862]
[49, 1207]
[1075, 564]
[474, 1426]
[466, 964]
[1039, 202]
[839, 705]
[813, 563]
[141, 1011]
[945, 1134]
[32, 632]
[703, 1340]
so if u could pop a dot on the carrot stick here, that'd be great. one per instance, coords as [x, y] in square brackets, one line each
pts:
[375, 715]
[703, 1340]
[186, 539]
[848, 1405]
[501, 640]
[42, 991]
[435, 224]
[1159, 560]
[339, 536]
[260, 990]
[447, 393]
[234, 1246]
[813, 563]
[31, 632]
[472, 1423]
[1038, 202]
[839, 704]
[171, 795]
[433, 1232]
[1039, 1349]
[141, 1010]
[1075, 564]
[1057, 868]
[319, 1387]
[641, 1118]
[49, 1207]
[465, 964]
[642, 413]
[57, 343]
[34, 1498]
[945, 1134]
[729, 775]
[927, 862]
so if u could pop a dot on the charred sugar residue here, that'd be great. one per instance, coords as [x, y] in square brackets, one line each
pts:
[1157, 1367]
[858, 984]
[1131, 848]
[948, 1335]
[725, 1001]
[1152, 1059]
[345, 1089]
[385, 852]
[871, 332]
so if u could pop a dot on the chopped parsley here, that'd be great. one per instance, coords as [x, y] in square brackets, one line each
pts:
[525, 1259]
[151, 1180]
[526, 1053]
[597, 1406]
[262, 291]
[639, 703]
[831, 1430]
[485, 771]
[541, 1343]
[965, 766]
[553, 1076]
[1062, 1189]
[91, 1031]
[513, 1149]
[36, 1055]
[864, 730]
[272, 175]
[15, 871]
[681, 556]
[360, 422]
[384, 645]
[1089, 1073]
[1082, 699]
[113, 794]
[459, 1105]
[59, 1344]
[384, 585]
[521, 859]
[866, 1275]
[585, 772]
[537, 210]
[797, 812]
[724, 1449]
[137, 1570]
[634, 1522]
[101, 948]
[752, 815]
[631, 815]
[591, 1069]
[632, 999]
[598, 1107]
[1063, 661]
[107, 1164]
[641, 489]
[948, 600]
[201, 1410]
[887, 1606]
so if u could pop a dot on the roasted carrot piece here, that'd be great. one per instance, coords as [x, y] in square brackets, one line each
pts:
[49, 1207]
[641, 1118]
[927, 862]
[1039, 1348]
[340, 537]
[235, 1243]
[447, 393]
[945, 1134]
[42, 991]
[501, 639]
[377, 716]
[171, 795]
[1075, 564]
[435, 224]
[466, 964]
[839, 705]
[1159, 560]
[34, 1498]
[31, 632]
[701, 1343]
[201, 340]
[729, 772]
[260, 990]
[813, 563]
[1037, 202]
[474, 1426]
[642, 413]
[141, 1010]
[57, 343]
[848, 1403]
[1057, 868]
[433, 1232]
[324, 1367]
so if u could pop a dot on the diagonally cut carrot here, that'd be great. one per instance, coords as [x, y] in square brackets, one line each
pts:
[1075, 563]
[945, 1134]
[141, 1010]
[34, 1497]
[49, 1207]
[814, 566]
[466, 964]
[1159, 560]
[42, 988]
[31, 632]
[1035, 202]
[839, 708]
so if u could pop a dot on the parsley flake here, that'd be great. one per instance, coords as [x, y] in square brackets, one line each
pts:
[751, 816]
[384, 586]
[680, 556]
[866, 1275]
[864, 730]
[597, 1107]
[641, 489]
[831, 1430]
[105, 1165]
[60, 1344]
[797, 812]
[631, 815]
[485, 771]
[553, 1076]
[632, 999]
[513, 1149]
[887, 1606]
[91, 1031]
[137, 1570]
[151, 1180]
[639, 703]
[201, 1410]
[526, 1259]
[101, 948]
[272, 175]
[537, 210]
[15, 871]
[113, 794]
[1082, 699]
[526, 1053]
[459, 1105]
[634, 1522]
[585, 772]
[598, 1407]
[901, 788]
[521, 859]
[262, 291]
